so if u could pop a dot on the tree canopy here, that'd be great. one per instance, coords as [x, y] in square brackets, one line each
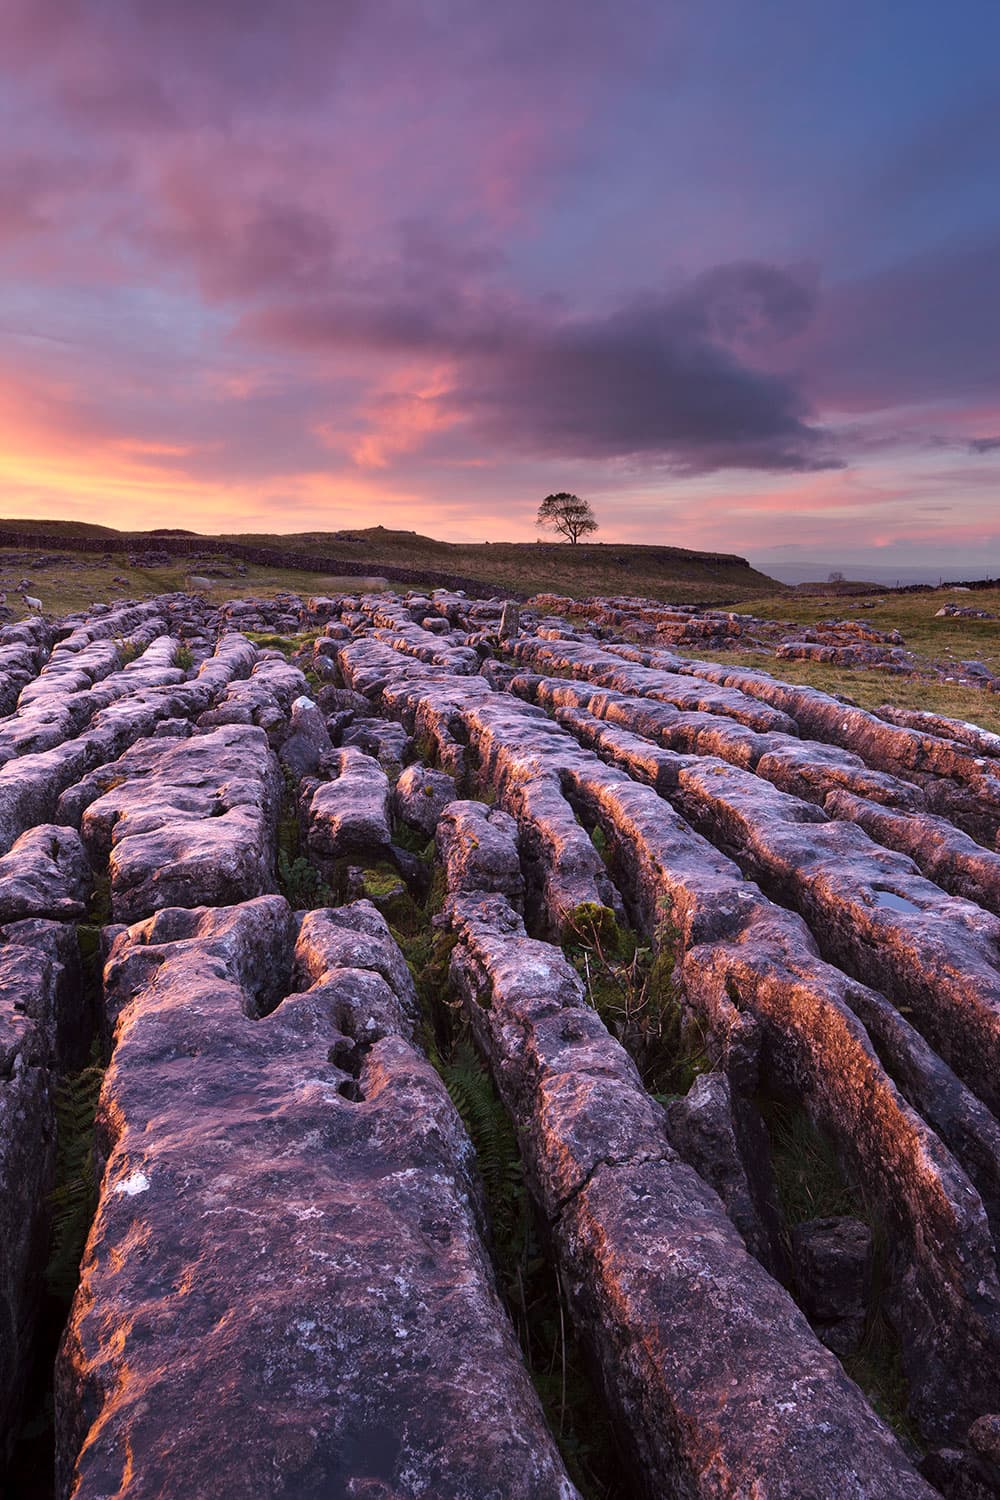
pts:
[567, 514]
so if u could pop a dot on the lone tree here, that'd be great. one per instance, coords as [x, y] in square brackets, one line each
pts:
[567, 514]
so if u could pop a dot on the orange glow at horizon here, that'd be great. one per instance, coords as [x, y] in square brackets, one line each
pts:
[54, 464]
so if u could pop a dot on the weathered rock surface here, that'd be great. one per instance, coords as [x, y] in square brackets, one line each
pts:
[44, 1028]
[45, 874]
[31, 783]
[857, 654]
[863, 901]
[833, 1273]
[968, 783]
[478, 847]
[350, 814]
[270, 688]
[807, 769]
[384, 741]
[587, 660]
[307, 743]
[662, 866]
[280, 1154]
[943, 853]
[319, 1307]
[660, 1283]
[982, 741]
[420, 796]
[871, 911]
[191, 821]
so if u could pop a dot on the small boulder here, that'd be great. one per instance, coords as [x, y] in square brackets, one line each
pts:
[420, 796]
[976, 669]
[705, 1130]
[478, 847]
[173, 729]
[350, 815]
[958, 1475]
[308, 739]
[335, 700]
[510, 620]
[984, 1438]
[45, 874]
[385, 741]
[833, 1275]
[325, 668]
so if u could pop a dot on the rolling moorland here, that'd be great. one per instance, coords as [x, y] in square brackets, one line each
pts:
[521, 567]
[135, 566]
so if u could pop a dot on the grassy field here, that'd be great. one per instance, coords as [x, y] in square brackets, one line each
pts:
[552, 567]
[73, 580]
[931, 639]
[528, 567]
[79, 579]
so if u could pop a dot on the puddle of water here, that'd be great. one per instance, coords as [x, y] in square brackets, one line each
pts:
[894, 902]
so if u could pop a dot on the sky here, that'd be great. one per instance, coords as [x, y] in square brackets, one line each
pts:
[728, 269]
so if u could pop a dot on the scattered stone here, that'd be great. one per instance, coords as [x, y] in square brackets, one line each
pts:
[350, 814]
[962, 612]
[45, 874]
[510, 621]
[307, 744]
[420, 796]
[833, 1275]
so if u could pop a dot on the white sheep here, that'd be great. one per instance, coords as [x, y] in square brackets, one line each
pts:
[32, 603]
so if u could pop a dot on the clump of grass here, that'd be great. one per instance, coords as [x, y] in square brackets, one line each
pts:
[877, 1368]
[99, 908]
[127, 650]
[425, 748]
[492, 1133]
[599, 841]
[414, 841]
[283, 643]
[184, 658]
[301, 883]
[286, 644]
[808, 1175]
[381, 882]
[631, 986]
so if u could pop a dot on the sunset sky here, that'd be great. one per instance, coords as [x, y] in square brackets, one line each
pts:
[730, 269]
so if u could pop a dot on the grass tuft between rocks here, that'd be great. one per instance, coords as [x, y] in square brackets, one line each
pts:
[632, 987]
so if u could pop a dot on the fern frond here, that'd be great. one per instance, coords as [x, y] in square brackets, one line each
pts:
[73, 1199]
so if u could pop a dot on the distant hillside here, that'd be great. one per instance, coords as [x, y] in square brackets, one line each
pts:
[405, 557]
[59, 528]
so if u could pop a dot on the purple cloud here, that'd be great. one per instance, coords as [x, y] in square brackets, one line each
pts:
[662, 377]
